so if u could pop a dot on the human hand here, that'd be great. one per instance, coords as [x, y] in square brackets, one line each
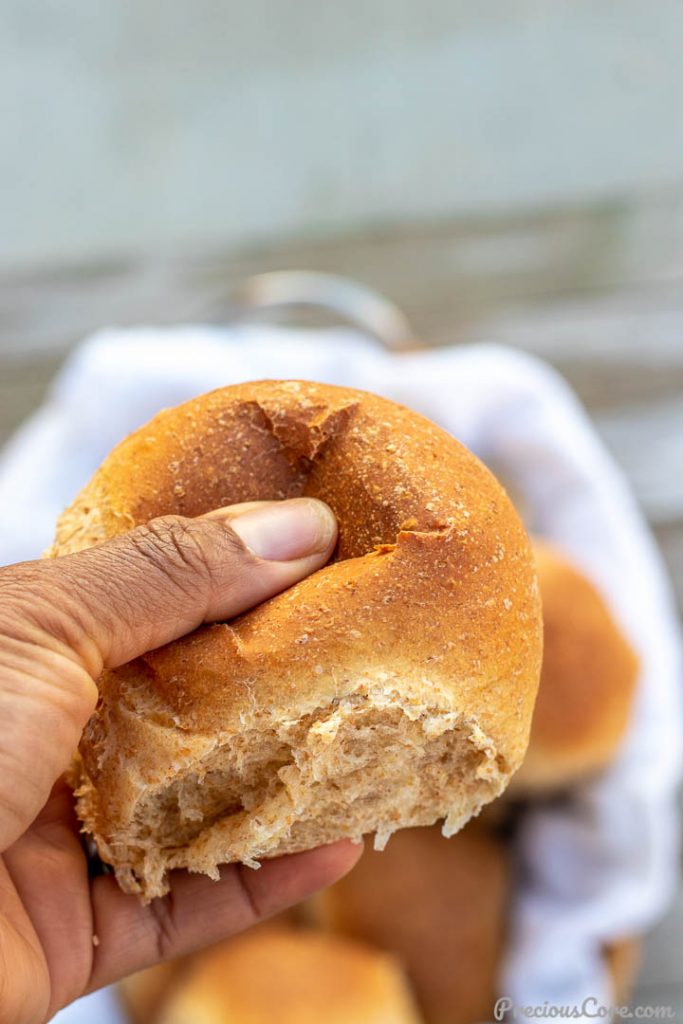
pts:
[63, 934]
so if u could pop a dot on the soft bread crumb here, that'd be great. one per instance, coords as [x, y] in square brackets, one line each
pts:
[381, 840]
[374, 761]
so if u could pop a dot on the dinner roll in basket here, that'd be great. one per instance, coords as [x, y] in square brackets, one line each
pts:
[440, 906]
[143, 994]
[588, 681]
[291, 977]
[393, 687]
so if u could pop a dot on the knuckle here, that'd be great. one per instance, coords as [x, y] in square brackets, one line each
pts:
[232, 547]
[164, 924]
[174, 546]
[248, 892]
[185, 552]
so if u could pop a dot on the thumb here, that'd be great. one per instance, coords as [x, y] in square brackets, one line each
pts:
[63, 620]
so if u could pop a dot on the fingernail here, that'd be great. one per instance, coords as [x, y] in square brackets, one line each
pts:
[281, 531]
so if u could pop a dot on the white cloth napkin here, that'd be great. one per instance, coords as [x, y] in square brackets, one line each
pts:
[601, 865]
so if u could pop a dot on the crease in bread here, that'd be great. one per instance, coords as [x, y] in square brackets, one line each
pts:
[393, 687]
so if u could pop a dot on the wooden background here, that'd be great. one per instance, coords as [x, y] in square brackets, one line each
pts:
[599, 293]
[149, 126]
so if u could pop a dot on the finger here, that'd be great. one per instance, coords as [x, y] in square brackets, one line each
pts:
[198, 912]
[145, 588]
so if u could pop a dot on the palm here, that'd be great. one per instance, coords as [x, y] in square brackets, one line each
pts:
[46, 910]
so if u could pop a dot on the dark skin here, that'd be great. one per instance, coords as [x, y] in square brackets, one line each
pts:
[63, 934]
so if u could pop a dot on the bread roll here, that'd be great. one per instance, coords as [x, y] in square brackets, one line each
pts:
[623, 958]
[393, 687]
[291, 977]
[588, 681]
[145, 992]
[439, 905]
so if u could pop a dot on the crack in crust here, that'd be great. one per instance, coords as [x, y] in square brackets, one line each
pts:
[306, 438]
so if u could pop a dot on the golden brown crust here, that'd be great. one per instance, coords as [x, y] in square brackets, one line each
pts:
[439, 906]
[292, 977]
[588, 680]
[623, 958]
[145, 992]
[430, 605]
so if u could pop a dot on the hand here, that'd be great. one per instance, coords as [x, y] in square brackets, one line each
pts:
[61, 622]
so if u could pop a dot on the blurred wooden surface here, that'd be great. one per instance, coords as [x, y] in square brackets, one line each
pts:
[559, 287]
